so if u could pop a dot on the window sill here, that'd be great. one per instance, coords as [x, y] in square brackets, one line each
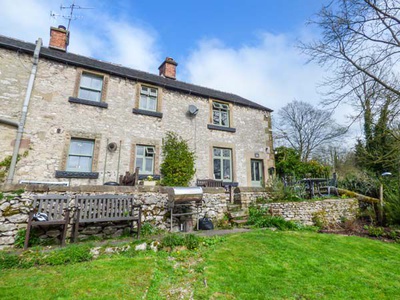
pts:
[147, 113]
[88, 102]
[70, 174]
[144, 176]
[221, 128]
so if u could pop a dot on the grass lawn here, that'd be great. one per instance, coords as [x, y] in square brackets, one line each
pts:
[256, 265]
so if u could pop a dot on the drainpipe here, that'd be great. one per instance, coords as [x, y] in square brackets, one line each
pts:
[9, 122]
[21, 124]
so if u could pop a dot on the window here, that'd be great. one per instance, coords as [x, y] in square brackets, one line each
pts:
[145, 159]
[148, 98]
[80, 155]
[222, 160]
[90, 87]
[220, 114]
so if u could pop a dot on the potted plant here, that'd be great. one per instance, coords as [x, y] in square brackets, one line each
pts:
[149, 181]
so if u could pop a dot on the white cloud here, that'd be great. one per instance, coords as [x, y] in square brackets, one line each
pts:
[121, 41]
[272, 72]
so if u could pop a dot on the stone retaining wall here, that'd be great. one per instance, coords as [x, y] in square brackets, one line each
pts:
[331, 211]
[14, 210]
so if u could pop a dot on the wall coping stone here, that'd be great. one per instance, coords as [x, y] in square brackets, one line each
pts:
[106, 189]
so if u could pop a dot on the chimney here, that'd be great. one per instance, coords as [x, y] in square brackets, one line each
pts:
[168, 68]
[59, 38]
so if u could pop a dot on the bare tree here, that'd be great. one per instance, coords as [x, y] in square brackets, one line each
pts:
[306, 128]
[360, 44]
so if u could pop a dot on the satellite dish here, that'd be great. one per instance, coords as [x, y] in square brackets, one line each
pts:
[112, 147]
[193, 110]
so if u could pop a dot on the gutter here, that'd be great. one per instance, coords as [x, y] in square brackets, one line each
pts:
[9, 122]
[22, 121]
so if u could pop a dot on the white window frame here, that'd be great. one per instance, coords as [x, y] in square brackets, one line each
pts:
[91, 89]
[219, 110]
[79, 155]
[147, 95]
[148, 152]
[222, 158]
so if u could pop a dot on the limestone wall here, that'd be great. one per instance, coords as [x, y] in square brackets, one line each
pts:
[14, 210]
[333, 210]
[52, 121]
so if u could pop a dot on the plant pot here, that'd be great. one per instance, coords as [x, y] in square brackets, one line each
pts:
[149, 183]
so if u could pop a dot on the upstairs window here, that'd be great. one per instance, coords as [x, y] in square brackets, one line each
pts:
[91, 87]
[220, 113]
[145, 159]
[80, 156]
[222, 161]
[148, 98]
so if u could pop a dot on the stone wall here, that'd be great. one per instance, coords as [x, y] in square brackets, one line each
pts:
[52, 121]
[333, 211]
[14, 210]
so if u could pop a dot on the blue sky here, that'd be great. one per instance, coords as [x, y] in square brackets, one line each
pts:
[243, 47]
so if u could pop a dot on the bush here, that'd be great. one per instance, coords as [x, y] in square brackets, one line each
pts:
[319, 219]
[260, 218]
[149, 229]
[177, 167]
[20, 238]
[375, 231]
[362, 183]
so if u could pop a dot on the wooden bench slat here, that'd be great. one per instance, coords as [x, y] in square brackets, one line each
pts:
[57, 210]
[105, 208]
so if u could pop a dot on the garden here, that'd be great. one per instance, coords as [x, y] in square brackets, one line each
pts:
[261, 264]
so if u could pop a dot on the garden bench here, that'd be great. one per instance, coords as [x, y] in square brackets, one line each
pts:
[57, 210]
[209, 183]
[106, 208]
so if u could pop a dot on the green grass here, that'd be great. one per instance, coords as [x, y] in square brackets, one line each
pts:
[302, 265]
[257, 265]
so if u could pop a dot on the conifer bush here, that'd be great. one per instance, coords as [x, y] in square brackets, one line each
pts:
[177, 168]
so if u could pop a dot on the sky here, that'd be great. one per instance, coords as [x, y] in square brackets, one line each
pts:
[247, 48]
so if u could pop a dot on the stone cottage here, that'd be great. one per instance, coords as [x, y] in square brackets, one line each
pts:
[83, 121]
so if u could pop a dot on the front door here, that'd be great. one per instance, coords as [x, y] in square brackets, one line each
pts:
[257, 173]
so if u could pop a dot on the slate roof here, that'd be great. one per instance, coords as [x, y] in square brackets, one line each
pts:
[117, 70]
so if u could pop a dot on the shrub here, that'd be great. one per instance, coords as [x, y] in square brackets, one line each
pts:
[319, 219]
[192, 241]
[172, 240]
[375, 231]
[260, 218]
[149, 229]
[177, 167]
[20, 238]
[280, 192]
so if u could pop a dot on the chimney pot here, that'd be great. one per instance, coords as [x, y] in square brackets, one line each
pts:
[59, 38]
[168, 68]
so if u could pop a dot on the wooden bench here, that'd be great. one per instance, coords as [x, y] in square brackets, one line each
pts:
[209, 183]
[58, 213]
[106, 208]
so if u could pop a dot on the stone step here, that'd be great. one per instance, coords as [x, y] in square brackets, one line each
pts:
[233, 207]
[239, 221]
[238, 214]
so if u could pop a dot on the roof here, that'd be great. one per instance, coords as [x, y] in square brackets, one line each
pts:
[117, 70]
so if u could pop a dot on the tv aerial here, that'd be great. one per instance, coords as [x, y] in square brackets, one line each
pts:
[70, 16]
